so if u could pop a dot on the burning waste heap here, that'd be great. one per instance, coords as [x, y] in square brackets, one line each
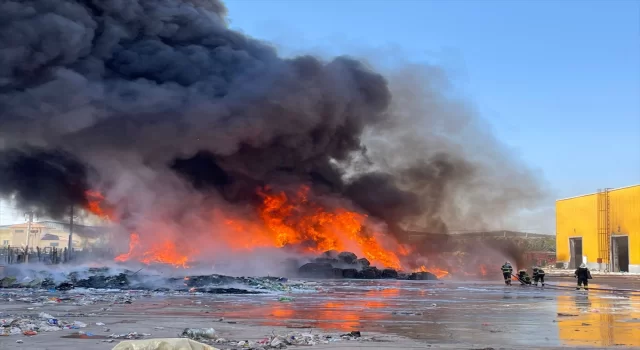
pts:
[201, 144]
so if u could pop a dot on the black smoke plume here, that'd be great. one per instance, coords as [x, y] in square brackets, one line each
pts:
[161, 100]
[49, 181]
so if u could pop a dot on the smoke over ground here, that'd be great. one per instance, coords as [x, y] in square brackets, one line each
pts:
[177, 120]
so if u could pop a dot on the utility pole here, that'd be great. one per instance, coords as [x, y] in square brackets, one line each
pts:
[70, 244]
[29, 215]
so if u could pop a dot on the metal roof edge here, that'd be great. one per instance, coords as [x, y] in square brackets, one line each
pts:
[591, 194]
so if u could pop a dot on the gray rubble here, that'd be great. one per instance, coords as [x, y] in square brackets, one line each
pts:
[272, 341]
[106, 278]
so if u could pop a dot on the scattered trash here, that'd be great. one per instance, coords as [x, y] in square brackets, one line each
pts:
[408, 313]
[45, 316]
[285, 299]
[199, 333]
[566, 315]
[132, 335]
[19, 341]
[34, 325]
[99, 324]
[354, 334]
[274, 341]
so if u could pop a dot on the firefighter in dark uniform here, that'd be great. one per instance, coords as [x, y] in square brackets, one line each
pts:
[583, 275]
[524, 278]
[538, 275]
[507, 270]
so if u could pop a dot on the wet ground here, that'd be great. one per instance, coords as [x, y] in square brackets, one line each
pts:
[449, 312]
[437, 314]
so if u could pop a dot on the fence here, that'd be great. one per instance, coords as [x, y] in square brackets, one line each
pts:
[50, 255]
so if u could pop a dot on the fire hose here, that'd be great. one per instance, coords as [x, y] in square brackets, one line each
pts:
[612, 290]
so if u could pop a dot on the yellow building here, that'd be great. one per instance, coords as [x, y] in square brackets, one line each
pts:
[600, 229]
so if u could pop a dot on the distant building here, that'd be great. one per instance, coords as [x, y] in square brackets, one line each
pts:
[499, 233]
[40, 236]
[45, 234]
[600, 229]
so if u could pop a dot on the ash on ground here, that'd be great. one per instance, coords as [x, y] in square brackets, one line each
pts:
[108, 279]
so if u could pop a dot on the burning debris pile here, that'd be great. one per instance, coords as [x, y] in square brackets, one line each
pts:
[347, 265]
[199, 143]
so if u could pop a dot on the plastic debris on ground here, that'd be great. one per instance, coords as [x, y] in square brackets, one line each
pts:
[44, 322]
[195, 333]
[273, 341]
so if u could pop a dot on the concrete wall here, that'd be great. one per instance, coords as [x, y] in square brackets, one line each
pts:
[6, 236]
[577, 217]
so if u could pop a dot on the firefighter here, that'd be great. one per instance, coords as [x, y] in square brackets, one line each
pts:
[524, 278]
[507, 270]
[538, 275]
[583, 275]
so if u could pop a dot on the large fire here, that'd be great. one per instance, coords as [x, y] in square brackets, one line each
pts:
[282, 220]
[163, 252]
[298, 221]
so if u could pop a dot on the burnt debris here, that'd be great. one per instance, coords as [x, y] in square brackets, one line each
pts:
[347, 265]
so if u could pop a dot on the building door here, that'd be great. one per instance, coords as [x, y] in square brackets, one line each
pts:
[620, 253]
[575, 246]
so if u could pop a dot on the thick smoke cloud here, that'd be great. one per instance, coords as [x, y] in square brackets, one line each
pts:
[160, 103]
[51, 181]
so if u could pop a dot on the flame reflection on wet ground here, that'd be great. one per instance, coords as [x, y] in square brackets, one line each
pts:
[472, 312]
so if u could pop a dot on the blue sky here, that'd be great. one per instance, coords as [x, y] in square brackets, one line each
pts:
[559, 81]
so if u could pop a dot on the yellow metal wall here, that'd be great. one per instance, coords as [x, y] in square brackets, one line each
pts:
[577, 217]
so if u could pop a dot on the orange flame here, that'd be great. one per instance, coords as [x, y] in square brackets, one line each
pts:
[134, 242]
[440, 273]
[95, 201]
[483, 270]
[297, 221]
[163, 252]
